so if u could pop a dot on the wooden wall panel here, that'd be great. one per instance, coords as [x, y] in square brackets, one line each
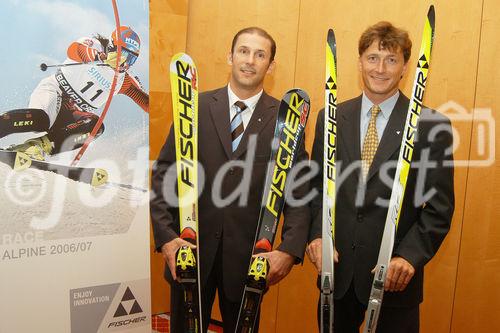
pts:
[212, 25]
[477, 297]
[165, 18]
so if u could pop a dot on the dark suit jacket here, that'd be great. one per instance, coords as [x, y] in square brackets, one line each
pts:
[423, 223]
[233, 225]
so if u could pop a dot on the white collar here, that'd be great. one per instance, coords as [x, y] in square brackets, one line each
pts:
[250, 102]
[386, 106]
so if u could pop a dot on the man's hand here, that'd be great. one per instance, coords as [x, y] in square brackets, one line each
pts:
[168, 250]
[314, 252]
[280, 264]
[399, 274]
[111, 59]
[101, 56]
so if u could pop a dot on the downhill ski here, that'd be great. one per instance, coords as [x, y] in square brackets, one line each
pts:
[16, 160]
[328, 210]
[20, 161]
[401, 176]
[290, 124]
[184, 84]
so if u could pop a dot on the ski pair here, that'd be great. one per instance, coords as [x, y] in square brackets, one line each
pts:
[290, 124]
[20, 161]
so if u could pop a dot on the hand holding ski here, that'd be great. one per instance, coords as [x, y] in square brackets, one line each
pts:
[314, 250]
[399, 274]
[280, 264]
[170, 250]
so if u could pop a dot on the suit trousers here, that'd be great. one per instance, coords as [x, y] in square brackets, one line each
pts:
[228, 309]
[349, 314]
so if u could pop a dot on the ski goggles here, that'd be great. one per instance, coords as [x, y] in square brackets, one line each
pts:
[130, 56]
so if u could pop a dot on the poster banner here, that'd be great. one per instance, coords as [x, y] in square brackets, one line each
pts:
[74, 103]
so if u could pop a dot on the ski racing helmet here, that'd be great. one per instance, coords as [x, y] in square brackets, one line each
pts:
[130, 44]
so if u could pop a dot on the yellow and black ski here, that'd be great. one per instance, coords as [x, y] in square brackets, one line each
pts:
[184, 84]
[16, 160]
[329, 170]
[289, 131]
[401, 176]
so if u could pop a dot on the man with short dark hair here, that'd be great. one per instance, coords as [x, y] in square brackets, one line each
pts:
[236, 124]
[369, 130]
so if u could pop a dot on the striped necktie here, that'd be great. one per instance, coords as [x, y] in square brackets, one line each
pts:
[237, 124]
[370, 144]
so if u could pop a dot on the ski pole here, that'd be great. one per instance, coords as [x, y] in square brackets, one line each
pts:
[44, 66]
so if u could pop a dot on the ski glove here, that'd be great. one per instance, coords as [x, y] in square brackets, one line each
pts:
[111, 59]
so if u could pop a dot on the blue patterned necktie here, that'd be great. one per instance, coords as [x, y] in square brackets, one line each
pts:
[237, 124]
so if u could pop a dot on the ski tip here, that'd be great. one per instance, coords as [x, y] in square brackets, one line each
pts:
[331, 37]
[332, 43]
[181, 56]
[100, 177]
[21, 162]
[431, 16]
[179, 64]
[302, 93]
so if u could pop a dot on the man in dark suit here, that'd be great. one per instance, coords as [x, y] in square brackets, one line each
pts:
[234, 168]
[364, 185]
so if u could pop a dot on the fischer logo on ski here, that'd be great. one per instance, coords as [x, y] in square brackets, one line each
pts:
[329, 177]
[289, 139]
[290, 124]
[186, 121]
[184, 84]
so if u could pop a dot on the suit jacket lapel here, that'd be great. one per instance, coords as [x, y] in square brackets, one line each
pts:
[262, 114]
[349, 133]
[219, 110]
[391, 139]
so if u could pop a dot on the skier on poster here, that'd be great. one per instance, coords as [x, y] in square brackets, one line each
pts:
[63, 104]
